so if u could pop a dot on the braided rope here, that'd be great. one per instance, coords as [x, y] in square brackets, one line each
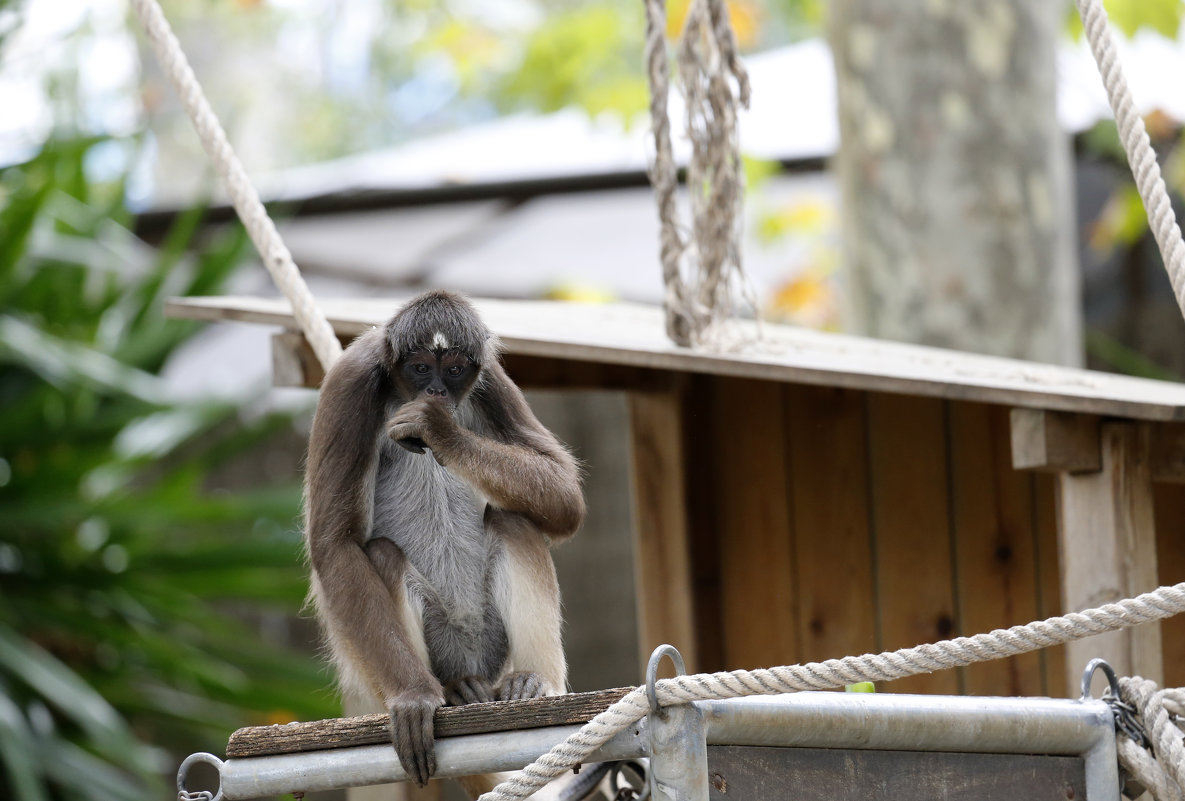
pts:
[701, 268]
[1162, 768]
[834, 673]
[246, 200]
[1136, 145]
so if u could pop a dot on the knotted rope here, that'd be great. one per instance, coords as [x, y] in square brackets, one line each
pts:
[259, 225]
[834, 673]
[1160, 768]
[702, 269]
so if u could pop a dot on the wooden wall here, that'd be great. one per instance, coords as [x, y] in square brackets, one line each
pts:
[826, 522]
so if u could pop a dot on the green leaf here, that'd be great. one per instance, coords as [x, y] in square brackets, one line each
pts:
[1130, 16]
[17, 755]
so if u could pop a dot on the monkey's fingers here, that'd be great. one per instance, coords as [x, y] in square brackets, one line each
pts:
[520, 686]
[469, 690]
[412, 737]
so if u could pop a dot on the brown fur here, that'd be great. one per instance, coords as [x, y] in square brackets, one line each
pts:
[379, 607]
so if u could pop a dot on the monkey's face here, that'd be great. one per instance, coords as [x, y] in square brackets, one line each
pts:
[443, 374]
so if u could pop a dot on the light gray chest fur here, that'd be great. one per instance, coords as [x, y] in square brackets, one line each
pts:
[437, 520]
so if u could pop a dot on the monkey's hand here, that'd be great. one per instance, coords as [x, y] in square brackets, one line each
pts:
[423, 423]
[412, 734]
[469, 690]
[520, 686]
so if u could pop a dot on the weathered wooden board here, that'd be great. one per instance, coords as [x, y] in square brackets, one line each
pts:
[1107, 549]
[753, 522]
[450, 721]
[1049, 582]
[748, 773]
[828, 446]
[995, 544]
[911, 519]
[633, 335]
[662, 552]
[1169, 502]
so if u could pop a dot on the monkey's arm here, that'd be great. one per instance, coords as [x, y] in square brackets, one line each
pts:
[365, 619]
[520, 467]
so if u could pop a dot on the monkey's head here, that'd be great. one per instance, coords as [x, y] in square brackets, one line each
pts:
[440, 346]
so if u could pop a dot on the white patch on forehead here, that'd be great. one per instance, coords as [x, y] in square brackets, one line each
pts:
[439, 341]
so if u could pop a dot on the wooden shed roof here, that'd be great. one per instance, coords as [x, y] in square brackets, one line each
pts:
[633, 335]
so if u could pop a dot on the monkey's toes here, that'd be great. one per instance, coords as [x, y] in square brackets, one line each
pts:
[520, 686]
[469, 690]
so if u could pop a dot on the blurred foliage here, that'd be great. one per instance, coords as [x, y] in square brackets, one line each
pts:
[1130, 16]
[118, 563]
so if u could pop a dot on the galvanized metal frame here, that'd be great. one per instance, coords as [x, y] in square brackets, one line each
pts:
[677, 744]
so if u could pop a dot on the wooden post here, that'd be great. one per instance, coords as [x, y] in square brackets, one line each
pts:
[662, 559]
[1107, 548]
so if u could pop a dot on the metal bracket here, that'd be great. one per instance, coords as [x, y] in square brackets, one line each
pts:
[678, 740]
[1126, 716]
[184, 793]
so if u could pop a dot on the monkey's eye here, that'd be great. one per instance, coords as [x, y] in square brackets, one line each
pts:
[455, 370]
[422, 368]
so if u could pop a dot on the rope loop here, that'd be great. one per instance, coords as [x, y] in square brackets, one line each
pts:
[1157, 764]
[701, 266]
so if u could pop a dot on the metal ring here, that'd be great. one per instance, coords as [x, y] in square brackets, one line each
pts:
[183, 792]
[1088, 674]
[652, 672]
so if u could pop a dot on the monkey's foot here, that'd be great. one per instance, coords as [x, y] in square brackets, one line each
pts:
[469, 690]
[412, 735]
[522, 685]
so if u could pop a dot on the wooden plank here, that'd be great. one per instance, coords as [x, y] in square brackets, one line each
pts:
[662, 566]
[450, 721]
[633, 335]
[911, 522]
[1168, 453]
[1054, 441]
[1049, 577]
[545, 372]
[702, 477]
[828, 447]
[758, 619]
[995, 547]
[1170, 556]
[1107, 550]
[752, 773]
[294, 364]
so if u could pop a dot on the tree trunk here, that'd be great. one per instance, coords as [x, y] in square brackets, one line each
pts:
[955, 176]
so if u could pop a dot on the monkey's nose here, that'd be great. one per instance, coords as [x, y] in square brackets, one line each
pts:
[437, 392]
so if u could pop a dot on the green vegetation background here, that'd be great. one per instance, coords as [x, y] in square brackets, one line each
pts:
[126, 580]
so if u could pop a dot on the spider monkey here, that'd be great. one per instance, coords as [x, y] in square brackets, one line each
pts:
[431, 574]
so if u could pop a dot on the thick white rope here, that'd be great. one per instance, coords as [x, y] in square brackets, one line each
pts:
[259, 225]
[1161, 770]
[834, 673]
[1136, 144]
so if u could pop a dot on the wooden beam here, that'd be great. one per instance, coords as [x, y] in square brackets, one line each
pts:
[294, 364]
[662, 559]
[1054, 441]
[1107, 549]
[632, 334]
[450, 721]
[1168, 453]
[911, 519]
